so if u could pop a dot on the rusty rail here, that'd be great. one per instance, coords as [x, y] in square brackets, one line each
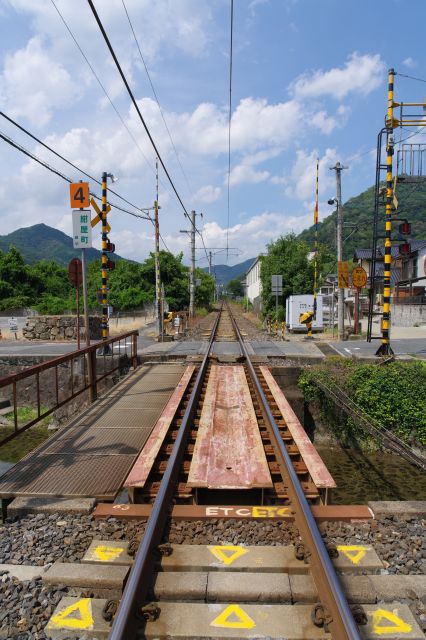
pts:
[87, 361]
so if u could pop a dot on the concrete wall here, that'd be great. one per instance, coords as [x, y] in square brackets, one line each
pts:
[59, 327]
[407, 315]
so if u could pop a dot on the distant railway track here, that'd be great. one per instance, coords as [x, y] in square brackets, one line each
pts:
[291, 486]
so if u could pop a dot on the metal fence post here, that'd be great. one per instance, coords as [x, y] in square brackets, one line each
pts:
[135, 350]
[91, 372]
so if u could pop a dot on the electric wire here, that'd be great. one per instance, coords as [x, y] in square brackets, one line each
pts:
[404, 75]
[141, 118]
[157, 100]
[105, 91]
[46, 146]
[229, 126]
[44, 164]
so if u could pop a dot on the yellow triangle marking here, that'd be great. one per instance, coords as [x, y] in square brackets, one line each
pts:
[105, 553]
[242, 621]
[398, 625]
[65, 619]
[354, 552]
[220, 552]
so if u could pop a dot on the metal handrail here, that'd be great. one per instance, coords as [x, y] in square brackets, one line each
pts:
[343, 625]
[126, 620]
[90, 378]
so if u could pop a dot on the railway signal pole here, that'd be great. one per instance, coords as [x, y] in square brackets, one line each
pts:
[192, 268]
[158, 300]
[341, 292]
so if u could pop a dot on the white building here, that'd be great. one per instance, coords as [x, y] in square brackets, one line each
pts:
[253, 284]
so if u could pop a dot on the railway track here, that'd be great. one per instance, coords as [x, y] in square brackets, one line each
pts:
[332, 612]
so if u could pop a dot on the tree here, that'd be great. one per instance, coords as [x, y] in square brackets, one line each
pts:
[204, 293]
[288, 256]
[174, 277]
[235, 287]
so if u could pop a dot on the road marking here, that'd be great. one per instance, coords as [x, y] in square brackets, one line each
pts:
[65, 620]
[220, 552]
[354, 552]
[398, 625]
[240, 618]
[105, 553]
[348, 350]
[118, 346]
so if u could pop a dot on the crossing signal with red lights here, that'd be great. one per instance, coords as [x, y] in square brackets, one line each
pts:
[110, 247]
[405, 249]
[404, 228]
[110, 265]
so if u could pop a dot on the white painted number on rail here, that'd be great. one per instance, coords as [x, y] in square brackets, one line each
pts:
[233, 617]
[227, 553]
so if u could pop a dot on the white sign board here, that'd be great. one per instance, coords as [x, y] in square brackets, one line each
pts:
[277, 284]
[81, 229]
[13, 325]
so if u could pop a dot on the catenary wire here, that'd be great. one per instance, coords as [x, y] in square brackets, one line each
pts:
[404, 75]
[138, 111]
[229, 127]
[19, 147]
[105, 91]
[157, 100]
[46, 146]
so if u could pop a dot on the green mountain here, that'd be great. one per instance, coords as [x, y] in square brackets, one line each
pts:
[358, 212]
[43, 242]
[224, 273]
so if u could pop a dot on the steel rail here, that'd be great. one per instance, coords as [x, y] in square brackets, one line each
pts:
[342, 624]
[127, 620]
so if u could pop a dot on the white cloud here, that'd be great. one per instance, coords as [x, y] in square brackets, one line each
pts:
[409, 62]
[301, 182]
[360, 74]
[244, 173]
[208, 194]
[33, 84]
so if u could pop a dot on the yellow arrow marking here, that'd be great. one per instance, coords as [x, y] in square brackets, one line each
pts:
[105, 553]
[354, 552]
[398, 625]
[65, 620]
[219, 552]
[242, 621]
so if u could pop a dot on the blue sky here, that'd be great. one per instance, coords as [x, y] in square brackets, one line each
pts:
[309, 80]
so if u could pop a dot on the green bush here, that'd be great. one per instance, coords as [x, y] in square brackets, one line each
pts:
[392, 395]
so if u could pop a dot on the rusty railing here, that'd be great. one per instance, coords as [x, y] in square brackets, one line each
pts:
[65, 378]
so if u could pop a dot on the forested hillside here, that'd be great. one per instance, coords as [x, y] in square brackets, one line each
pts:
[359, 211]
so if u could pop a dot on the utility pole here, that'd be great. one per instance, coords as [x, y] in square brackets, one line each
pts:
[210, 263]
[158, 305]
[341, 292]
[192, 268]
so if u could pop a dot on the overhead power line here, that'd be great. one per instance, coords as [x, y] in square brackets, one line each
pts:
[157, 100]
[135, 104]
[229, 123]
[44, 164]
[403, 75]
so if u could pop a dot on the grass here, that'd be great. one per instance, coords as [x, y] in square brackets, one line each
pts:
[22, 444]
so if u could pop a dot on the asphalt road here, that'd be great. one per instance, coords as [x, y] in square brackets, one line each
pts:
[408, 346]
[20, 348]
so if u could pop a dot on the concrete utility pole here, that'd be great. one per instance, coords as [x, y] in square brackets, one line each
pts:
[192, 268]
[341, 292]
[210, 263]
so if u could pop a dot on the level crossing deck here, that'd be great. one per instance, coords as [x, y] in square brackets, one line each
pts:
[92, 456]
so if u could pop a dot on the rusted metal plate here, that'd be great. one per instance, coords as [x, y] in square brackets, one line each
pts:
[93, 455]
[314, 463]
[143, 465]
[228, 452]
[322, 513]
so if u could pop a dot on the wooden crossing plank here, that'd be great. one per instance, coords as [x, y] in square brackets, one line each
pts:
[316, 467]
[143, 465]
[228, 452]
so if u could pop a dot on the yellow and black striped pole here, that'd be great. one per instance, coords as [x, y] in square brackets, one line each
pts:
[315, 252]
[104, 260]
[385, 348]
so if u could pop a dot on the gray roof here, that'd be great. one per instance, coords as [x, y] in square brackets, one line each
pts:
[366, 254]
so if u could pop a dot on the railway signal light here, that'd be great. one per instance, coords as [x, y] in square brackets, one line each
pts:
[405, 249]
[110, 265]
[404, 228]
[110, 247]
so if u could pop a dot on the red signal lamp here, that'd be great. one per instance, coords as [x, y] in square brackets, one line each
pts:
[404, 228]
[110, 247]
[405, 249]
[110, 265]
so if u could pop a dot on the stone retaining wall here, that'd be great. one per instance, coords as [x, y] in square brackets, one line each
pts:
[408, 315]
[59, 328]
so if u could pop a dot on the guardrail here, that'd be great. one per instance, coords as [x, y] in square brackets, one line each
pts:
[62, 379]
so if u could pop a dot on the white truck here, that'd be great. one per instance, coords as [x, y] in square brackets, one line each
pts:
[296, 305]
